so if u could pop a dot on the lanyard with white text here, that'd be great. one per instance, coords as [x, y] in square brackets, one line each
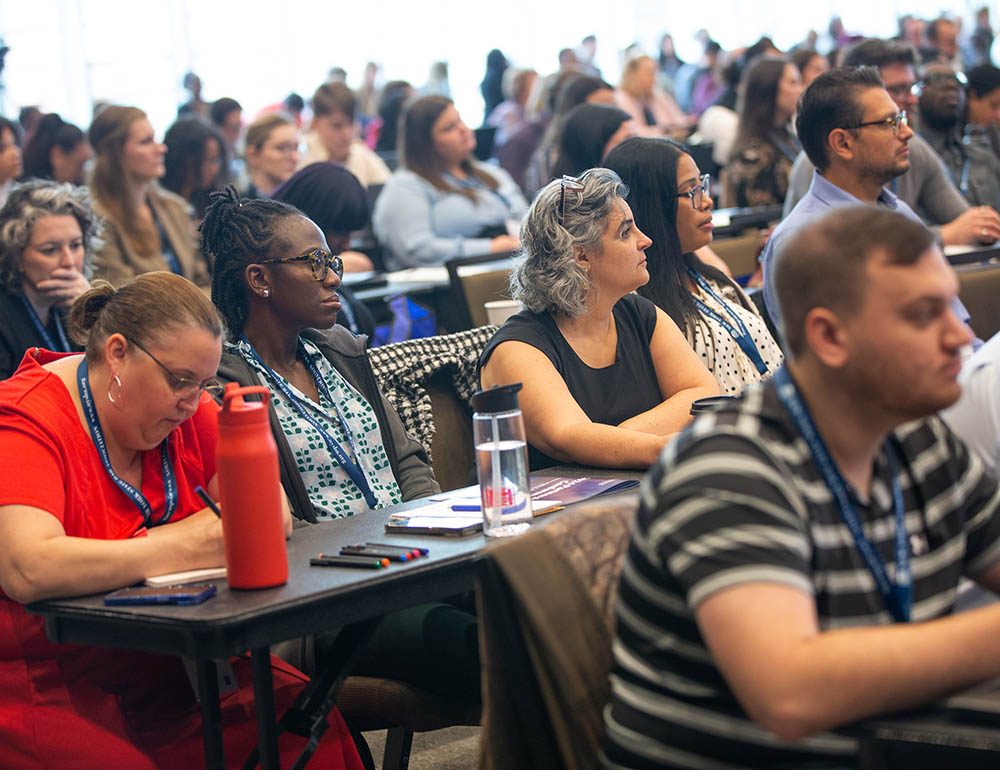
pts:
[140, 501]
[740, 333]
[63, 346]
[898, 595]
[351, 467]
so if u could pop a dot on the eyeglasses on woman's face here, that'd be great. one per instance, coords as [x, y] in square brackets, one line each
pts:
[182, 387]
[320, 262]
[697, 193]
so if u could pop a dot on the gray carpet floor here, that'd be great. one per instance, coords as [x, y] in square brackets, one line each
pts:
[454, 748]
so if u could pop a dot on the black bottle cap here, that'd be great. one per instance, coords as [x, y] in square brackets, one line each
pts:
[499, 398]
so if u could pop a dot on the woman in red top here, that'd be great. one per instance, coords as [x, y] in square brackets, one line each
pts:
[99, 458]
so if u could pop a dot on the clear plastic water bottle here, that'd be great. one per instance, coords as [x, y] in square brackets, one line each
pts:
[501, 461]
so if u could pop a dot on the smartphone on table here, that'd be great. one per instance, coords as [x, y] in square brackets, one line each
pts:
[185, 594]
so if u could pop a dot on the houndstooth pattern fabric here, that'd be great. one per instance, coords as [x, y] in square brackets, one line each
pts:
[403, 368]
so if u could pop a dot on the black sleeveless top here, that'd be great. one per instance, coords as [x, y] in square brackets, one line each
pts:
[609, 395]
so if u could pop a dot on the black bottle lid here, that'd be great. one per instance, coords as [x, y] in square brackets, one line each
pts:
[499, 398]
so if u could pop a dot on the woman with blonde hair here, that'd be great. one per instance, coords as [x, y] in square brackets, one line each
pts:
[146, 227]
[654, 111]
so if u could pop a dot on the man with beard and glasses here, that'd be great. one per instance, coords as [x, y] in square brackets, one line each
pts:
[858, 140]
[796, 557]
[973, 166]
[925, 187]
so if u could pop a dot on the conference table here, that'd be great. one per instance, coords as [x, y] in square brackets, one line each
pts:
[314, 599]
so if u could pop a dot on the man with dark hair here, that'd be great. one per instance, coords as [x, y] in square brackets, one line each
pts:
[785, 541]
[973, 166]
[926, 186]
[983, 105]
[858, 141]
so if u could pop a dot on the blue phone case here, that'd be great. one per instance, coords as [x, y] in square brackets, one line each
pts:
[160, 595]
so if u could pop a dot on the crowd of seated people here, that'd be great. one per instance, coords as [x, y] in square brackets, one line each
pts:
[882, 153]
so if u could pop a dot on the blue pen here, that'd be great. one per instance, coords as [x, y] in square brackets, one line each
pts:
[466, 507]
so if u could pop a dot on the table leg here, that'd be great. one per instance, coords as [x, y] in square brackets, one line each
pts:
[263, 690]
[211, 714]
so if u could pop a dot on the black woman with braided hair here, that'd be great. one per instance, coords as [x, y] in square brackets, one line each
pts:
[341, 446]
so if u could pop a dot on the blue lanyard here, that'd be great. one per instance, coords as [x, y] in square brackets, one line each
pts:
[63, 346]
[351, 467]
[898, 595]
[471, 183]
[739, 332]
[140, 501]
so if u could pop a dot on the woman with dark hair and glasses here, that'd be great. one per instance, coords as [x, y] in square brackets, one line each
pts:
[342, 447]
[443, 203]
[671, 200]
[607, 377]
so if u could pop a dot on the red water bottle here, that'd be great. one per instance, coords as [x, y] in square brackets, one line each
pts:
[250, 489]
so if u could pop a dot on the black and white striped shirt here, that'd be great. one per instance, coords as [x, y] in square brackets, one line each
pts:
[737, 499]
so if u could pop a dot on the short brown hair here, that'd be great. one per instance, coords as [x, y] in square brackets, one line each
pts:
[823, 264]
[261, 129]
[331, 98]
[146, 307]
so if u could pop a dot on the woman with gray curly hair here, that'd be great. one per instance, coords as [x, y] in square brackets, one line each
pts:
[48, 232]
[607, 376]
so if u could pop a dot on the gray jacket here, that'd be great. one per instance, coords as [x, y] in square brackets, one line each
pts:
[409, 461]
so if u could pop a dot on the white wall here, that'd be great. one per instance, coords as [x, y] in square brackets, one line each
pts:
[65, 54]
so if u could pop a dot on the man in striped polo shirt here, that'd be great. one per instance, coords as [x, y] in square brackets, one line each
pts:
[797, 554]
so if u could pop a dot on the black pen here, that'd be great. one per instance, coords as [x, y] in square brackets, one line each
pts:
[348, 561]
[409, 548]
[207, 500]
[382, 553]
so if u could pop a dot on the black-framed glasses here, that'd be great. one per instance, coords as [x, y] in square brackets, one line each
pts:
[567, 183]
[893, 122]
[183, 387]
[320, 262]
[698, 192]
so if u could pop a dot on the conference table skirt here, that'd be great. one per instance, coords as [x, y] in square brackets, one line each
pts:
[117, 710]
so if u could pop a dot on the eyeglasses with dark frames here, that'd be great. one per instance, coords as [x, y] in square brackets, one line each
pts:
[183, 387]
[698, 192]
[320, 262]
[893, 122]
[567, 183]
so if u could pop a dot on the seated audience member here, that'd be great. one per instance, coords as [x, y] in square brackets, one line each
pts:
[749, 625]
[508, 116]
[272, 154]
[973, 166]
[57, 150]
[765, 146]
[707, 84]
[976, 415]
[982, 101]
[395, 94]
[608, 378]
[671, 202]
[47, 234]
[924, 186]
[342, 448]
[570, 92]
[77, 521]
[226, 115]
[442, 202]
[333, 198]
[331, 136]
[194, 161]
[11, 162]
[858, 141]
[810, 64]
[654, 111]
[492, 85]
[276, 286]
[146, 228]
[718, 124]
[588, 133]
